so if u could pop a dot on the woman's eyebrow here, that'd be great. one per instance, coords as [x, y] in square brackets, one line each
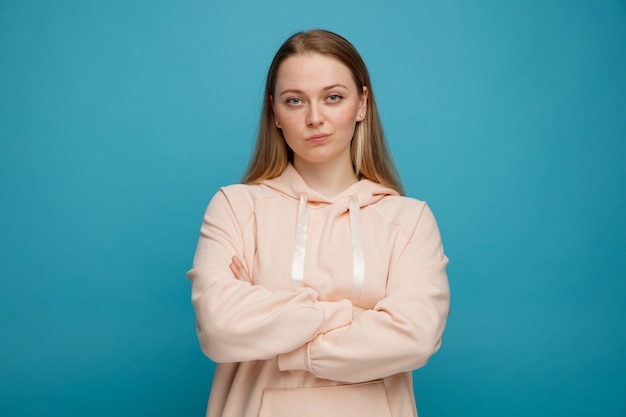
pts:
[297, 91]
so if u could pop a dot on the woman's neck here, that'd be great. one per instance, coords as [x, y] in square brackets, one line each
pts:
[326, 178]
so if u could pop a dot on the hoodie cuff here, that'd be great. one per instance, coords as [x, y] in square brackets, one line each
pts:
[295, 360]
[336, 314]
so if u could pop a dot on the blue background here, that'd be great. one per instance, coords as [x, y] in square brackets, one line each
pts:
[119, 120]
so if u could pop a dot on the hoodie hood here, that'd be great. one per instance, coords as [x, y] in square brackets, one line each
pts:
[291, 184]
[355, 197]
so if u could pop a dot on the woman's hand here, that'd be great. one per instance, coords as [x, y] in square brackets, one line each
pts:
[239, 270]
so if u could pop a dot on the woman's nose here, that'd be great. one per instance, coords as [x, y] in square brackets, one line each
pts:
[315, 116]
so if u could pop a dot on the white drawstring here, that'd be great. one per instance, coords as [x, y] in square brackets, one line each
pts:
[297, 270]
[358, 258]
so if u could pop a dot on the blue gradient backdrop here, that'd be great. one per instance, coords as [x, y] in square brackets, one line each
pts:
[119, 120]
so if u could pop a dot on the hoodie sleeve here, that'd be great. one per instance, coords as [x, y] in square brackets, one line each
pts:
[403, 329]
[237, 321]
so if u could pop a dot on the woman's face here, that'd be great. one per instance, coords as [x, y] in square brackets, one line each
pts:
[317, 104]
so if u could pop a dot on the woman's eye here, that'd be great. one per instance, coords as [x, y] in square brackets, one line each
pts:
[293, 101]
[333, 98]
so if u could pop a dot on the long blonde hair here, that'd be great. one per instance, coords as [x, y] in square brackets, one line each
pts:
[371, 158]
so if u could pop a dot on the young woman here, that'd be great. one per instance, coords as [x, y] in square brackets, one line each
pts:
[317, 286]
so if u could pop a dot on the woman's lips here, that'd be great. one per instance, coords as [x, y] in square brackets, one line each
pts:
[320, 137]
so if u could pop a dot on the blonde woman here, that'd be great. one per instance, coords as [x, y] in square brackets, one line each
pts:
[317, 286]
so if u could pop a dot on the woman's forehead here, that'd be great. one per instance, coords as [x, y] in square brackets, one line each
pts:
[312, 71]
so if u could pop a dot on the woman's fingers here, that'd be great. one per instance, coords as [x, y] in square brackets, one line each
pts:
[238, 269]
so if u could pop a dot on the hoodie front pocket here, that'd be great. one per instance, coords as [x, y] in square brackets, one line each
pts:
[355, 400]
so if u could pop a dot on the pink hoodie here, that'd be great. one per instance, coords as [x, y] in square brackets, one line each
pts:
[347, 296]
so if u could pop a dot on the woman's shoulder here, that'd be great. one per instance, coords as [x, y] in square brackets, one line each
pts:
[234, 201]
[403, 211]
[240, 196]
[246, 191]
[239, 188]
[401, 204]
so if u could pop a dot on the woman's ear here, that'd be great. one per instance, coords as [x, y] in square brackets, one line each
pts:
[276, 122]
[362, 105]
